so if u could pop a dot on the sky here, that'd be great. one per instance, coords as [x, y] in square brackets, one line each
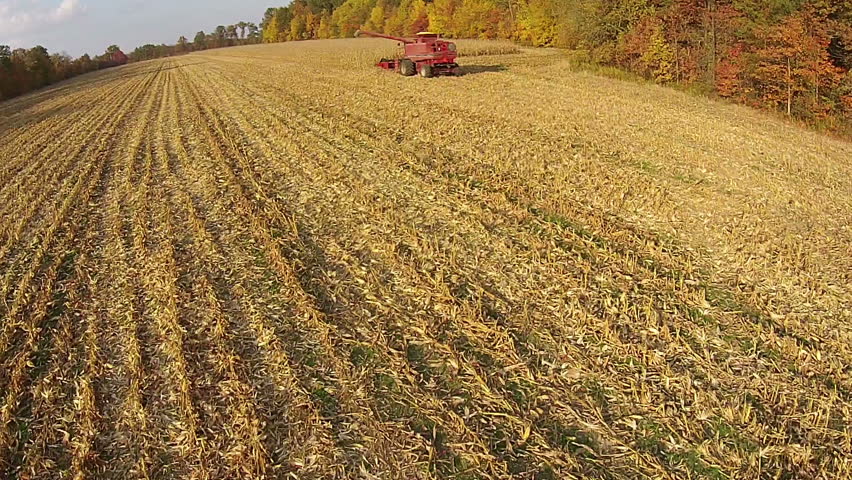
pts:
[90, 26]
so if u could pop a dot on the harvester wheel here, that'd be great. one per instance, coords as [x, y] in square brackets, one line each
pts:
[426, 70]
[407, 68]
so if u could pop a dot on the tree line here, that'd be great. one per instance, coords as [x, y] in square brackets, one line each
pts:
[791, 56]
[24, 70]
[241, 33]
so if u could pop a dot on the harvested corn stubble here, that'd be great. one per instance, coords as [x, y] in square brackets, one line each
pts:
[278, 261]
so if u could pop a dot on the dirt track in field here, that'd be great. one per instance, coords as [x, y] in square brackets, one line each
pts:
[278, 262]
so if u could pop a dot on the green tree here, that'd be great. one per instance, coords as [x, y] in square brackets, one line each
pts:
[253, 32]
[5, 56]
[38, 64]
[319, 6]
[200, 40]
[231, 33]
[7, 85]
[219, 36]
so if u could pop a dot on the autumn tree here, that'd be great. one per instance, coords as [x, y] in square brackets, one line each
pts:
[441, 15]
[794, 65]
[536, 23]
[270, 30]
[471, 19]
[23, 70]
[376, 20]
[351, 15]
[324, 28]
[418, 18]
[658, 58]
[298, 28]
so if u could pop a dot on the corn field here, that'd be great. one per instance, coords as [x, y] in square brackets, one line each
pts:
[278, 261]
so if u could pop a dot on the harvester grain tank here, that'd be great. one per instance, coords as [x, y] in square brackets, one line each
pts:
[426, 54]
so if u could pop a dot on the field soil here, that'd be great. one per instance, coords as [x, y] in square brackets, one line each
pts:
[281, 262]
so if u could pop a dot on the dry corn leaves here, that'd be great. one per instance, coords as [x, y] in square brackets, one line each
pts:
[280, 262]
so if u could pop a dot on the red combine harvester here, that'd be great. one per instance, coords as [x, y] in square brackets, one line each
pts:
[428, 55]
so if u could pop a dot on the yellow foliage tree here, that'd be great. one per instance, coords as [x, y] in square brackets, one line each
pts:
[478, 19]
[297, 28]
[536, 23]
[311, 25]
[659, 57]
[396, 23]
[324, 29]
[376, 21]
[351, 15]
[441, 15]
[418, 18]
[270, 32]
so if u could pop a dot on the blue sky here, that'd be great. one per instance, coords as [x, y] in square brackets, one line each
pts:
[89, 26]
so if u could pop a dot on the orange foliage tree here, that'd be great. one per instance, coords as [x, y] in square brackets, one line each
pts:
[794, 66]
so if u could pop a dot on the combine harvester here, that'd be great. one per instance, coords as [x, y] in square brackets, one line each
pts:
[427, 54]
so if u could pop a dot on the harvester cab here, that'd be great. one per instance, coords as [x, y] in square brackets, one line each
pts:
[427, 54]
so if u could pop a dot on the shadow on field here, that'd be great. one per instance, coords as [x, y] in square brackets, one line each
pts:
[475, 69]
[24, 118]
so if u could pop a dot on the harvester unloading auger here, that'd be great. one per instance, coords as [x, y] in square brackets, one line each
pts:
[427, 54]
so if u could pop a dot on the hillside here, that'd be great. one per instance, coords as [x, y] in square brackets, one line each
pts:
[277, 261]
